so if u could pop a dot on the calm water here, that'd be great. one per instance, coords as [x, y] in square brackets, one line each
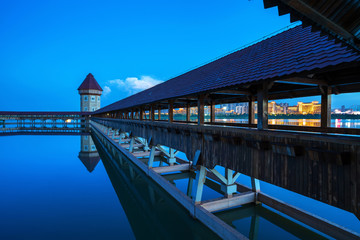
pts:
[49, 193]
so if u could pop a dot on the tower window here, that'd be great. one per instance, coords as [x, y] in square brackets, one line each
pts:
[85, 109]
[86, 147]
[93, 98]
[85, 98]
[93, 109]
[93, 148]
[98, 98]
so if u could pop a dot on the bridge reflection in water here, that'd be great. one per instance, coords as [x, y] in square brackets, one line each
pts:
[154, 214]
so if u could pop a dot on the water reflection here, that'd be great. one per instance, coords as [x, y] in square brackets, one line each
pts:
[258, 222]
[151, 212]
[88, 154]
[337, 123]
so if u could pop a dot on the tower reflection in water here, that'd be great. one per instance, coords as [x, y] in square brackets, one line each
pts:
[88, 154]
[154, 214]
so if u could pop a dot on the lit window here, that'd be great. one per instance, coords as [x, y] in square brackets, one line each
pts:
[85, 98]
[86, 147]
[93, 109]
[98, 98]
[85, 109]
[93, 98]
[93, 148]
[86, 137]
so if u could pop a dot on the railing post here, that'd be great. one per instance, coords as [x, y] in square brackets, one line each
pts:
[262, 100]
[159, 113]
[325, 107]
[152, 112]
[141, 114]
[188, 112]
[212, 112]
[171, 111]
[251, 109]
[201, 114]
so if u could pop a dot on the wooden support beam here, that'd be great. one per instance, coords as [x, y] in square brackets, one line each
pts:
[262, 114]
[188, 112]
[201, 113]
[141, 114]
[145, 154]
[152, 113]
[174, 168]
[251, 110]
[135, 145]
[225, 203]
[159, 113]
[326, 107]
[212, 112]
[303, 81]
[171, 111]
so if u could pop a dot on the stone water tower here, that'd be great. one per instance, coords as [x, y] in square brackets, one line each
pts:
[90, 93]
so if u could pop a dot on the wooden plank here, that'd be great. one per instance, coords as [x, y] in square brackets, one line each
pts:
[135, 145]
[145, 154]
[225, 203]
[309, 219]
[173, 168]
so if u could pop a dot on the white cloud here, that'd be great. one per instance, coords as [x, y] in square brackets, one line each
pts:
[134, 84]
[107, 90]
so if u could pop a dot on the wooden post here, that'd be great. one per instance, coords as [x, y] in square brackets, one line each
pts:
[188, 112]
[262, 102]
[141, 114]
[159, 113]
[251, 110]
[171, 111]
[152, 113]
[132, 114]
[212, 112]
[326, 107]
[201, 110]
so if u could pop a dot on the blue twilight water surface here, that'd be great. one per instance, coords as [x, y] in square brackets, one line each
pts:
[48, 193]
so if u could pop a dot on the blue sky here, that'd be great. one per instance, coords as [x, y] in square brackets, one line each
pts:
[48, 47]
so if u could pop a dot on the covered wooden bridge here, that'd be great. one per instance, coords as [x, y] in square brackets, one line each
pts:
[322, 163]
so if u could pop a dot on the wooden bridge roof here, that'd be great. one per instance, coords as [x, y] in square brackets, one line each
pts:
[295, 52]
[340, 19]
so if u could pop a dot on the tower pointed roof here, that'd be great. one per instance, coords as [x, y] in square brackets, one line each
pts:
[90, 83]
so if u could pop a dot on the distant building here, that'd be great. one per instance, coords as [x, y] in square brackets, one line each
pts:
[90, 93]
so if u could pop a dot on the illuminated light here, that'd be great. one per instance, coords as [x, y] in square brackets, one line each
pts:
[68, 120]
